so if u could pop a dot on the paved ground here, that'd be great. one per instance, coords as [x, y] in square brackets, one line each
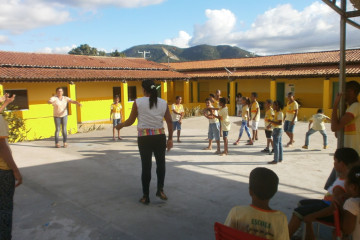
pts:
[90, 190]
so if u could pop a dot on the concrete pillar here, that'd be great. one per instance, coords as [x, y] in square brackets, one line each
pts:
[125, 100]
[232, 94]
[186, 98]
[326, 95]
[1, 89]
[171, 97]
[164, 90]
[195, 96]
[273, 89]
[73, 109]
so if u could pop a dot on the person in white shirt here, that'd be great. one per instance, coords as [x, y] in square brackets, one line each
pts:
[317, 122]
[150, 112]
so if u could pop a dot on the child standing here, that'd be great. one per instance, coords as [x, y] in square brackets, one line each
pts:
[244, 122]
[238, 104]
[177, 114]
[269, 115]
[311, 209]
[277, 132]
[255, 115]
[258, 218]
[351, 215]
[225, 123]
[214, 126]
[318, 125]
[115, 115]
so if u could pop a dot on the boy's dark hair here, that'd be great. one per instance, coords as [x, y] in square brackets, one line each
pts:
[354, 85]
[319, 110]
[58, 88]
[207, 99]
[279, 104]
[263, 183]
[246, 99]
[212, 95]
[269, 101]
[177, 97]
[291, 94]
[222, 100]
[116, 97]
[254, 94]
[346, 155]
[239, 95]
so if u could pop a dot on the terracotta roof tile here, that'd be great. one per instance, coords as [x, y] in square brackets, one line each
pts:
[48, 74]
[74, 61]
[315, 58]
[38, 66]
[313, 71]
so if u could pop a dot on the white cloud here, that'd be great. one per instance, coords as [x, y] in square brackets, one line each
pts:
[57, 50]
[90, 4]
[4, 40]
[182, 41]
[279, 30]
[17, 16]
[215, 31]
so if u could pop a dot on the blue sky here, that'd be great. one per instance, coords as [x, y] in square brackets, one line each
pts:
[263, 27]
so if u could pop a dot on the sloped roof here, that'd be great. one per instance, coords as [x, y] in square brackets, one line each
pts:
[51, 67]
[298, 59]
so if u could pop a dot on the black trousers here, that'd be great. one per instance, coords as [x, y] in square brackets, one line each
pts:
[7, 189]
[147, 146]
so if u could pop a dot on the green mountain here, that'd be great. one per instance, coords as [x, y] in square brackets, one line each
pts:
[196, 53]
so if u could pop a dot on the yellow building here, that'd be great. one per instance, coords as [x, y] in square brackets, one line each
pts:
[313, 77]
[93, 81]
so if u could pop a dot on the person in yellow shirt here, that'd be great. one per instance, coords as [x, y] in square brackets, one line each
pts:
[258, 218]
[269, 115]
[177, 113]
[223, 116]
[255, 115]
[10, 176]
[276, 124]
[245, 121]
[115, 115]
[349, 122]
[291, 113]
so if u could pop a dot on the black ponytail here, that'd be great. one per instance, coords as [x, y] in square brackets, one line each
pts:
[150, 88]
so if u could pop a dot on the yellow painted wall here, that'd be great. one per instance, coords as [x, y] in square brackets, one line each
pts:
[39, 118]
[96, 99]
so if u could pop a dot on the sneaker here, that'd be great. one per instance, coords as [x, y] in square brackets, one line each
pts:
[325, 146]
[272, 151]
[305, 147]
[266, 150]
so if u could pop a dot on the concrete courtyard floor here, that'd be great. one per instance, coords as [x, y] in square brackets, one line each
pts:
[91, 189]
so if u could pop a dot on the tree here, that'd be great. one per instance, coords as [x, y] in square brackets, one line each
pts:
[85, 49]
[116, 53]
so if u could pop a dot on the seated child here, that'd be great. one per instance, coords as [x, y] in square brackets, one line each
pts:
[351, 216]
[258, 218]
[311, 209]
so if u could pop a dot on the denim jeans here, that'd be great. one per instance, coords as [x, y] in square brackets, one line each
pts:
[7, 189]
[147, 146]
[278, 148]
[244, 125]
[312, 131]
[63, 122]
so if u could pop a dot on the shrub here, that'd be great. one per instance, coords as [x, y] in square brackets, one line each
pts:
[17, 129]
